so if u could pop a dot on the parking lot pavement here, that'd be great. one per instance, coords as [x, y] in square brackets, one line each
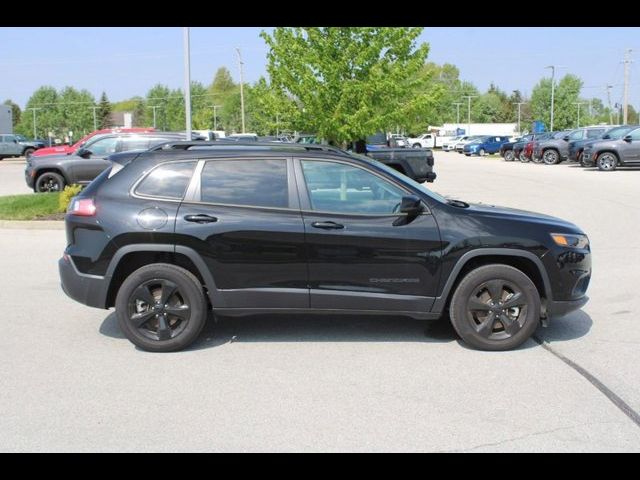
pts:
[12, 177]
[72, 382]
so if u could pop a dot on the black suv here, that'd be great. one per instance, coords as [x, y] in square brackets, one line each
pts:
[169, 234]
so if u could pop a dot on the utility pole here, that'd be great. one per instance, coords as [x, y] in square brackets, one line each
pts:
[95, 121]
[458, 112]
[469, 97]
[578, 104]
[154, 113]
[34, 121]
[625, 104]
[215, 116]
[187, 82]
[553, 89]
[240, 63]
[519, 104]
[609, 87]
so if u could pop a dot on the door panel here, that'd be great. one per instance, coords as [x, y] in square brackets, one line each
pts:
[256, 255]
[374, 261]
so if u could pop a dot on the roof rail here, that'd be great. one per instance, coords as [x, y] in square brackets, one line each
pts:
[186, 145]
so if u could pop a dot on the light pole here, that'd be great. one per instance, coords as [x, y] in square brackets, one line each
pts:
[241, 87]
[578, 104]
[95, 121]
[34, 121]
[519, 104]
[553, 89]
[469, 97]
[154, 113]
[458, 112]
[187, 82]
[215, 116]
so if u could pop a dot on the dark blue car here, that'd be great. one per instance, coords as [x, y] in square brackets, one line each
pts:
[485, 144]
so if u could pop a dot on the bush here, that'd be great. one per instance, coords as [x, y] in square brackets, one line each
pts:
[67, 194]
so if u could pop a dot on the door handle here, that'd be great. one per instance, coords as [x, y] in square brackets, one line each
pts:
[327, 225]
[200, 218]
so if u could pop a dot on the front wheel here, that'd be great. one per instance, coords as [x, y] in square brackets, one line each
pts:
[481, 152]
[50, 182]
[495, 307]
[523, 158]
[161, 308]
[607, 162]
[509, 156]
[550, 157]
[417, 145]
[27, 152]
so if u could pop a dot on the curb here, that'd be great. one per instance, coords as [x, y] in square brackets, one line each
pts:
[32, 224]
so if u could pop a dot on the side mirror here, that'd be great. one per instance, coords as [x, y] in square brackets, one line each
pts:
[627, 138]
[83, 152]
[411, 205]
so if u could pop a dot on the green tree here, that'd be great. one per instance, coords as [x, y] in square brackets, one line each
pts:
[349, 81]
[134, 105]
[158, 97]
[104, 112]
[567, 93]
[45, 99]
[271, 110]
[15, 112]
[74, 112]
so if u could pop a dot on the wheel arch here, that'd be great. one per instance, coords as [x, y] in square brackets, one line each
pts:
[129, 258]
[43, 170]
[607, 150]
[523, 260]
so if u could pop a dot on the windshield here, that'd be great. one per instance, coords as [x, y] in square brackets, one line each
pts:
[617, 133]
[559, 135]
[21, 138]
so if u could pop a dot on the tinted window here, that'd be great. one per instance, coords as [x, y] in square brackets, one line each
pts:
[169, 180]
[635, 135]
[134, 143]
[577, 135]
[595, 133]
[104, 146]
[259, 183]
[340, 188]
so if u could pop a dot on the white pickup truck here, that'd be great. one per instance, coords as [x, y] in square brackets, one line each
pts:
[427, 140]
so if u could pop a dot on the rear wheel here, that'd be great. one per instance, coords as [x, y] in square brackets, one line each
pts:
[417, 145]
[509, 156]
[161, 308]
[495, 307]
[28, 151]
[50, 182]
[607, 162]
[523, 158]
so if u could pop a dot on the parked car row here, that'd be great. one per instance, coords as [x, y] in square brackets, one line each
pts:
[13, 145]
[602, 146]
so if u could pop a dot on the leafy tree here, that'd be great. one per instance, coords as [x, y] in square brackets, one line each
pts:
[74, 111]
[45, 99]
[271, 110]
[567, 93]
[15, 112]
[349, 81]
[104, 112]
[157, 96]
[201, 109]
[134, 105]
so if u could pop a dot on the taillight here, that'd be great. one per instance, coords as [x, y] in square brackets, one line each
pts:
[83, 207]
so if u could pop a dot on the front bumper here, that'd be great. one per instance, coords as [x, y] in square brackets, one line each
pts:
[89, 290]
[28, 178]
[559, 308]
[588, 158]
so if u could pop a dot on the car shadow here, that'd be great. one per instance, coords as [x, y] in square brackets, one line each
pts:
[310, 328]
[349, 328]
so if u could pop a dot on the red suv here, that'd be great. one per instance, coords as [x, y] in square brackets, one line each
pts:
[69, 149]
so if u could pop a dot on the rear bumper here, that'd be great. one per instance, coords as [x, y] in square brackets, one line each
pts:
[559, 308]
[87, 289]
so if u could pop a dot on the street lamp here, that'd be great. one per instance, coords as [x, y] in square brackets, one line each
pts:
[578, 104]
[553, 88]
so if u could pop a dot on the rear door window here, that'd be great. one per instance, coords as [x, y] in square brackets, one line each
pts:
[250, 182]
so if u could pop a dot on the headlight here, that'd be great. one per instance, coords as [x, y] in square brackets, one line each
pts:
[570, 240]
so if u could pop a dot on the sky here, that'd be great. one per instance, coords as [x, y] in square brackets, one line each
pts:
[127, 61]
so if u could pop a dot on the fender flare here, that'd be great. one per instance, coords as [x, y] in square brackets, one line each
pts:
[439, 303]
[190, 253]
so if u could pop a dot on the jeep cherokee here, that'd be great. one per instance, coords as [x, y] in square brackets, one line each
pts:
[167, 235]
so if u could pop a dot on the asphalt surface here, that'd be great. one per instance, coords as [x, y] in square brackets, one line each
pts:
[12, 177]
[71, 382]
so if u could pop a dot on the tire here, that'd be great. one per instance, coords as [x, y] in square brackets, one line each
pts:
[607, 162]
[535, 159]
[550, 157]
[523, 158]
[28, 151]
[509, 156]
[481, 152]
[417, 145]
[49, 182]
[153, 328]
[490, 330]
